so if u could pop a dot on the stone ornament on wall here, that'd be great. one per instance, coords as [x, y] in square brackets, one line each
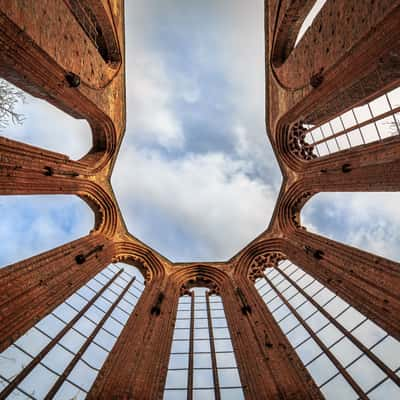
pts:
[199, 281]
[262, 262]
[137, 262]
[296, 208]
[297, 143]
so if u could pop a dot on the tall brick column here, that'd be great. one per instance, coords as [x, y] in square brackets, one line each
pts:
[137, 366]
[371, 167]
[32, 288]
[26, 169]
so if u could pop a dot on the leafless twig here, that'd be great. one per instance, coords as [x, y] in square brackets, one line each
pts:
[9, 98]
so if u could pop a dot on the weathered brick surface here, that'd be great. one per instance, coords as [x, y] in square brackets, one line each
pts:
[34, 287]
[350, 54]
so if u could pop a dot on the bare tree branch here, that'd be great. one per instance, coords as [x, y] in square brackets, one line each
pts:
[9, 98]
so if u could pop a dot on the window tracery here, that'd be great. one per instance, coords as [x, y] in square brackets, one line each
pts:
[374, 121]
[347, 355]
[62, 354]
[202, 362]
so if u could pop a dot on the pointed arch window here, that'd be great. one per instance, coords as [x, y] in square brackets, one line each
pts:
[43, 125]
[348, 356]
[31, 225]
[60, 357]
[202, 362]
[366, 220]
[373, 121]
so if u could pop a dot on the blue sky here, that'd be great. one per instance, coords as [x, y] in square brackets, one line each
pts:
[31, 225]
[196, 177]
[369, 221]
[204, 180]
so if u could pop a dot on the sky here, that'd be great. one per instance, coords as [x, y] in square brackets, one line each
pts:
[369, 221]
[196, 177]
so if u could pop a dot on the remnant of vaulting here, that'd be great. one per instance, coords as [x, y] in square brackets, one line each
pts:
[71, 53]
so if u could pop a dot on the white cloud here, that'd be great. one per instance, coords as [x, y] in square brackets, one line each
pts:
[366, 220]
[241, 36]
[209, 195]
[48, 127]
[150, 95]
[241, 135]
[34, 224]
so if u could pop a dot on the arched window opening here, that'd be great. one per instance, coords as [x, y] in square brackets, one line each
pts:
[31, 225]
[202, 363]
[371, 122]
[369, 221]
[308, 20]
[42, 124]
[347, 355]
[61, 356]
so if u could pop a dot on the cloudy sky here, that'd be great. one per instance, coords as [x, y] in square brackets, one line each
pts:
[196, 177]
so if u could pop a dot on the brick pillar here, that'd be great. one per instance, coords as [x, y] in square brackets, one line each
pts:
[369, 283]
[372, 167]
[26, 169]
[269, 367]
[137, 366]
[32, 288]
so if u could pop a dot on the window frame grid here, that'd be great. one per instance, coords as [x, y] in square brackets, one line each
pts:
[67, 325]
[203, 303]
[354, 127]
[330, 319]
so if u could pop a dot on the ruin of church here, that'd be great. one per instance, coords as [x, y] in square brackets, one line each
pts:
[233, 323]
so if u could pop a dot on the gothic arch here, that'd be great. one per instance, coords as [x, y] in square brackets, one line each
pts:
[367, 220]
[151, 266]
[36, 224]
[332, 339]
[364, 126]
[79, 89]
[200, 275]
[44, 127]
[202, 339]
[68, 347]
